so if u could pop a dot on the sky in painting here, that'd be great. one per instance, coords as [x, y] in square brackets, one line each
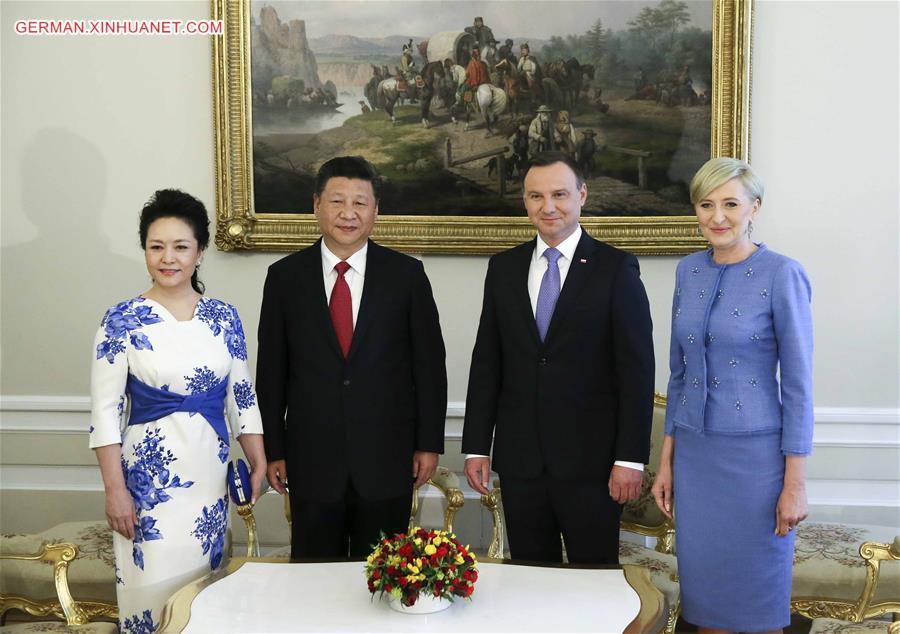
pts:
[421, 18]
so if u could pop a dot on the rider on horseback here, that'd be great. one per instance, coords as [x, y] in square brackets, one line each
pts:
[408, 68]
[476, 74]
[528, 65]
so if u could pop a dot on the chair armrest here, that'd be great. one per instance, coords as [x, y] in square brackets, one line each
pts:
[492, 502]
[664, 534]
[873, 553]
[59, 555]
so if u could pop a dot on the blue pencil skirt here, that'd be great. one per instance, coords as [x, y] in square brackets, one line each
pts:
[735, 572]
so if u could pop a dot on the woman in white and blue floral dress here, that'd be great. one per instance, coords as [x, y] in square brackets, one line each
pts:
[169, 367]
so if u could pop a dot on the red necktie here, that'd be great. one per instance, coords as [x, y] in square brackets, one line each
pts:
[341, 308]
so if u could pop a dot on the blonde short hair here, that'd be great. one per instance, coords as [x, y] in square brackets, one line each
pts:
[718, 171]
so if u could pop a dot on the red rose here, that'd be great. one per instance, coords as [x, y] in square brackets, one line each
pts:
[411, 598]
[376, 574]
[406, 550]
[388, 587]
[391, 571]
[442, 551]
[438, 585]
[403, 581]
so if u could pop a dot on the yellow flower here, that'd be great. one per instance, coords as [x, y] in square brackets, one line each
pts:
[460, 560]
[430, 549]
[418, 541]
[437, 541]
[413, 569]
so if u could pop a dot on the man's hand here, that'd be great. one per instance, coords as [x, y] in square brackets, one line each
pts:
[478, 473]
[423, 467]
[276, 474]
[624, 483]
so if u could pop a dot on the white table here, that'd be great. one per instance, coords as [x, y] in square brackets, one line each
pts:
[261, 595]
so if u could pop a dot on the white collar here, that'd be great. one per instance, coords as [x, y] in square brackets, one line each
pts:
[566, 247]
[357, 261]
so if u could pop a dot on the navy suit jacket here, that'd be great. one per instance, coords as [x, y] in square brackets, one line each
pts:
[573, 404]
[361, 417]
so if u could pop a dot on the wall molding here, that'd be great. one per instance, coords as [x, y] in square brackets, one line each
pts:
[859, 427]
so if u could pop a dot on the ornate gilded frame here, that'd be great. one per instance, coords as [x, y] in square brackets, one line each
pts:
[240, 227]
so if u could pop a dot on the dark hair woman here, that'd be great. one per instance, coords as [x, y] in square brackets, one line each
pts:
[170, 369]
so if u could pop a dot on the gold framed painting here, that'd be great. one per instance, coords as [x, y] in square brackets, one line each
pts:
[449, 100]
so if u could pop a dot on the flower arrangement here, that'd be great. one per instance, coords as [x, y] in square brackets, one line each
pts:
[422, 563]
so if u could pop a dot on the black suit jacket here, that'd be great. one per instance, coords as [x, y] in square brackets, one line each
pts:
[572, 405]
[361, 418]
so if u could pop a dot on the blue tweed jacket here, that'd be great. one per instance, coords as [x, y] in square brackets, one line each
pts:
[736, 330]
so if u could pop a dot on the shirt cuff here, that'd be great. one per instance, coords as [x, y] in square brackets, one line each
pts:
[637, 466]
[475, 455]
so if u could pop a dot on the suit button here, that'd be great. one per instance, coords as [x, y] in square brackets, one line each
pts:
[543, 361]
[346, 381]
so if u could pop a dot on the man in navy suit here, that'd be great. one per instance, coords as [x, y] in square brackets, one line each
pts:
[561, 379]
[351, 375]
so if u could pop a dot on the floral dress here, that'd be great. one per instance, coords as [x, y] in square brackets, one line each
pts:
[175, 466]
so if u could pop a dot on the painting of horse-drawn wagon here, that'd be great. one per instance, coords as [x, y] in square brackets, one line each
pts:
[450, 108]
[451, 99]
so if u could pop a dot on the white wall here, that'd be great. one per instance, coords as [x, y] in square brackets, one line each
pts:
[91, 125]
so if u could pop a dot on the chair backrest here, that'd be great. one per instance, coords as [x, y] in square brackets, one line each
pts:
[443, 480]
[447, 483]
[59, 555]
[246, 514]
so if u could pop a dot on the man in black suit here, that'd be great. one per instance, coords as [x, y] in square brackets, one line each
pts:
[350, 347]
[561, 378]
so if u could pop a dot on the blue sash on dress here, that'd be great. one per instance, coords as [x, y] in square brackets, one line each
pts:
[151, 403]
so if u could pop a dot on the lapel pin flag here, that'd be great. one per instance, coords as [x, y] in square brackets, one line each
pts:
[583, 261]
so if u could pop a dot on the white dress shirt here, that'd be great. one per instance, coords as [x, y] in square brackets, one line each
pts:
[355, 275]
[536, 273]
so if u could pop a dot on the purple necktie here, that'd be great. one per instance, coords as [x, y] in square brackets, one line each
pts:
[549, 292]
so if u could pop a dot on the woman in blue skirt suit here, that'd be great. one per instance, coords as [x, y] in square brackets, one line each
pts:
[740, 412]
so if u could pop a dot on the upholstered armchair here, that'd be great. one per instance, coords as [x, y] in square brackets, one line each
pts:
[833, 626]
[35, 581]
[845, 572]
[90, 577]
[640, 516]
